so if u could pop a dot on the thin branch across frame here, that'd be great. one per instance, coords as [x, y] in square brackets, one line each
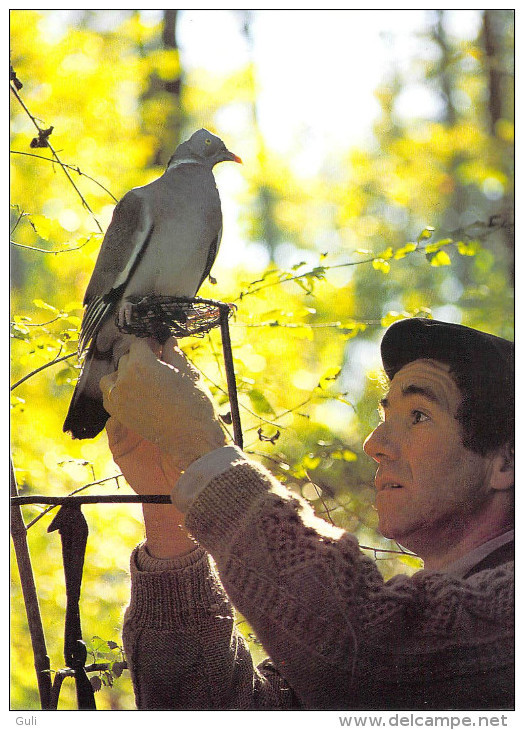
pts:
[43, 136]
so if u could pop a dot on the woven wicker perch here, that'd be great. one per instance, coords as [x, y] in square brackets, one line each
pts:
[162, 317]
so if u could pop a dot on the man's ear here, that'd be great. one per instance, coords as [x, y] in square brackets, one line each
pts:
[503, 468]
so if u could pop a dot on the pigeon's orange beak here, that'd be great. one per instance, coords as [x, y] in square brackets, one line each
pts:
[235, 158]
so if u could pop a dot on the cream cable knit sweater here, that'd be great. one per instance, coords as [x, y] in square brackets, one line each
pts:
[337, 634]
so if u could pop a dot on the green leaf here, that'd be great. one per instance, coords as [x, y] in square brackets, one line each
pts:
[259, 401]
[19, 332]
[296, 267]
[305, 284]
[42, 225]
[44, 305]
[319, 272]
[411, 561]
[74, 320]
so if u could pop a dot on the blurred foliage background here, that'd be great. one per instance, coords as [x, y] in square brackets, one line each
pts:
[327, 240]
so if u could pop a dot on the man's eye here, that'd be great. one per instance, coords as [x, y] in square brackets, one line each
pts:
[419, 417]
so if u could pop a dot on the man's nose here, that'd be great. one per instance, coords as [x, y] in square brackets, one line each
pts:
[380, 444]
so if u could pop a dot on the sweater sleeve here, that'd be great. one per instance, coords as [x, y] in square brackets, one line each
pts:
[181, 644]
[337, 633]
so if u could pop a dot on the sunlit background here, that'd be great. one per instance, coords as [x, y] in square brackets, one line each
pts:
[377, 184]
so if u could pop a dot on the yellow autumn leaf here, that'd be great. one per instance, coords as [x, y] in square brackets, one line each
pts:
[408, 248]
[381, 265]
[441, 258]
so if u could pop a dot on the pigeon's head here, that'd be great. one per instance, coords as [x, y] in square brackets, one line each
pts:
[205, 147]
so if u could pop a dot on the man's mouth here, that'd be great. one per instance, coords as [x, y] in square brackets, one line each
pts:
[384, 486]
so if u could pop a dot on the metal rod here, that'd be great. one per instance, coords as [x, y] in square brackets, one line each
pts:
[230, 376]
[34, 620]
[92, 499]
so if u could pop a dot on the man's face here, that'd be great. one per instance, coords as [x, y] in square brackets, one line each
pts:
[429, 486]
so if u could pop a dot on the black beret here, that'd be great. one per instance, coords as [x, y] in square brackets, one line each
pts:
[463, 348]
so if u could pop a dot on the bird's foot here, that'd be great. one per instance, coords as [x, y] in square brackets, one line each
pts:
[124, 314]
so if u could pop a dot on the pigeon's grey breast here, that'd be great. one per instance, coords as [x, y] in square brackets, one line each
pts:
[185, 206]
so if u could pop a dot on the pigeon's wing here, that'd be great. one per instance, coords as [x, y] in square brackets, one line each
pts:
[124, 243]
[213, 251]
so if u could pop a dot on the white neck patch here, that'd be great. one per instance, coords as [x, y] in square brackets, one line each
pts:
[183, 161]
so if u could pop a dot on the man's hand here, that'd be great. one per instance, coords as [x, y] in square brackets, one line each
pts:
[146, 469]
[162, 420]
[149, 471]
[165, 402]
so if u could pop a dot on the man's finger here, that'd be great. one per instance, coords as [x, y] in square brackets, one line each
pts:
[107, 383]
[140, 351]
[121, 440]
[116, 431]
[174, 356]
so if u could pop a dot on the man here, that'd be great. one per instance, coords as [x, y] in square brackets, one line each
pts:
[338, 636]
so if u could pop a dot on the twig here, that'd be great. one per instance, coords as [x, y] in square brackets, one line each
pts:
[75, 168]
[318, 490]
[48, 250]
[383, 550]
[469, 232]
[43, 135]
[116, 477]
[285, 277]
[41, 324]
[20, 216]
[42, 367]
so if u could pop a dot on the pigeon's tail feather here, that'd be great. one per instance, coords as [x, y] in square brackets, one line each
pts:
[86, 417]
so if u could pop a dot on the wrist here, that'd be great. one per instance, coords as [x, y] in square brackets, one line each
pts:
[166, 536]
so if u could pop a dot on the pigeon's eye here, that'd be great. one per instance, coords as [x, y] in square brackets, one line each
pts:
[208, 141]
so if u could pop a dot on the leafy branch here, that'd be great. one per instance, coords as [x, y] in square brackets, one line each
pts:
[464, 239]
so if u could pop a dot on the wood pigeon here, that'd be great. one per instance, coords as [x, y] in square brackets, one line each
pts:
[162, 240]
